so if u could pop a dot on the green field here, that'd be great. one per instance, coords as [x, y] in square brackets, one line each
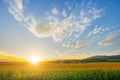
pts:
[60, 71]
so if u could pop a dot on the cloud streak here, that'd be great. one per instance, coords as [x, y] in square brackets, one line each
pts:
[110, 40]
[98, 30]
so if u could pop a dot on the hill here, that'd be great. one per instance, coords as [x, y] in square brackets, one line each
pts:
[98, 58]
[103, 58]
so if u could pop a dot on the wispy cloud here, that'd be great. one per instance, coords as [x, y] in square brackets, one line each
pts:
[70, 54]
[71, 23]
[75, 45]
[110, 40]
[98, 30]
[55, 11]
[38, 28]
[64, 13]
[16, 9]
[61, 25]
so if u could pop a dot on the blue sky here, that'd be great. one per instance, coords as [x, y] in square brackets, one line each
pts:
[59, 29]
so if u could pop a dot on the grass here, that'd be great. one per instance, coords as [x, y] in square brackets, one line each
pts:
[60, 71]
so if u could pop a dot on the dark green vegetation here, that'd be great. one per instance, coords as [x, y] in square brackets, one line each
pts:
[60, 71]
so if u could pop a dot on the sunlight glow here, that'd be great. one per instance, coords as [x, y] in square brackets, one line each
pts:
[34, 60]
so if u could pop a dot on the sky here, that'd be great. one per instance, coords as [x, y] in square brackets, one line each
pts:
[59, 28]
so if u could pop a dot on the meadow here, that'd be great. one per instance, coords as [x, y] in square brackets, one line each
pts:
[60, 71]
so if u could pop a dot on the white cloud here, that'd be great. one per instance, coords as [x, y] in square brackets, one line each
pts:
[110, 40]
[16, 9]
[75, 45]
[97, 30]
[38, 28]
[55, 11]
[79, 45]
[59, 26]
[64, 13]
[41, 29]
[69, 53]
[75, 21]
[19, 4]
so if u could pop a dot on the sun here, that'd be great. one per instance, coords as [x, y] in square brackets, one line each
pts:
[34, 60]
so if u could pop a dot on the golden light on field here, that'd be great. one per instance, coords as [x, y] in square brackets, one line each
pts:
[34, 60]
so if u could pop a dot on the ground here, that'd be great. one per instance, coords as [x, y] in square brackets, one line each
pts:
[60, 71]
